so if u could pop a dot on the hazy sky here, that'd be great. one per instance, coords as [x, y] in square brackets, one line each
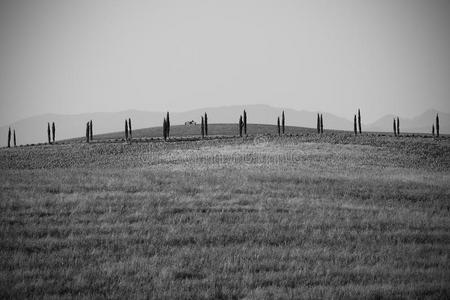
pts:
[384, 56]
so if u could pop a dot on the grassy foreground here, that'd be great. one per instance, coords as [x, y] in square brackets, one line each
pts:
[296, 217]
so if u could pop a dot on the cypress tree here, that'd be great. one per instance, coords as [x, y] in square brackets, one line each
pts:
[48, 133]
[395, 128]
[87, 132]
[9, 137]
[321, 123]
[129, 128]
[437, 125]
[432, 129]
[126, 130]
[165, 129]
[53, 131]
[206, 124]
[359, 121]
[91, 130]
[354, 126]
[318, 123]
[245, 122]
[282, 121]
[15, 138]
[202, 127]
[168, 125]
[278, 125]
[398, 126]
[241, 125]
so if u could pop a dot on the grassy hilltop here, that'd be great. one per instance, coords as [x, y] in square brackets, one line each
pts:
[307, 216]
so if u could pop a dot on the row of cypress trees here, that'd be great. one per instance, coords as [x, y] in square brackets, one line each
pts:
[53, 131]
[319, 123]
[9, 137]
[204, 126]
[437, 126]
[281, 128]
[89, 132]
[355, 126]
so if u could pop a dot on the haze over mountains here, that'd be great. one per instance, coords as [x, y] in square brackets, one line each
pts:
[34, 129]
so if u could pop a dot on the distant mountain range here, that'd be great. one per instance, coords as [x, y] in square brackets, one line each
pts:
[34, 129]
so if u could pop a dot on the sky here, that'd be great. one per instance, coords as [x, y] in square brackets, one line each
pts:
[70, 57]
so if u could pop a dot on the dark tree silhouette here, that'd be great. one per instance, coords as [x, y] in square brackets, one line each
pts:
[318, 123]
[9, 137]
[355, 128]
[432, 129]
[395, 128]
[321, 123]
[91, 131]
[437, 125]
[53, 131]
[168, 125]
[245, 122]
[202, 127]
[126, 130]
[15, 138]
[282, 121]
[278, 126]
[129, 128]
[206, 124]
[398, 126]
[241, 126]
[48, 133]
[165, 129]
[87, 132]
[359, 121]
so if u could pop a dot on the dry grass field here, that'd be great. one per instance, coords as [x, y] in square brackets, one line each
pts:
[307, 216]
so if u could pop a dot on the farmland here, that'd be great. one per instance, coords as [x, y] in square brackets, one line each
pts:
[299, 216]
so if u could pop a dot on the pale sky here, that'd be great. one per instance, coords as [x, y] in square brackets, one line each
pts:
[383, 56]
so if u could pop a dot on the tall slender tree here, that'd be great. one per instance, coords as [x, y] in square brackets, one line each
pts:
[206, 124]
[241, 126]
[359, 121]
[168, 125]
[48, 133]
[245, 122]
[87, 132]
[278, 126]
[321, 123]
[282, 121]
[129, 128]
[15, 138]
[202, 127]
[91, 131]
[355, 128]
[398, 126]
[165, 129]
[437, 125]
[53, 131]
[395, 128]
[318, 123]
[432, 129]
[126, 130]
[9, 137]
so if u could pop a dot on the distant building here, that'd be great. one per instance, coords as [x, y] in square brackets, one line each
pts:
[188, 123]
